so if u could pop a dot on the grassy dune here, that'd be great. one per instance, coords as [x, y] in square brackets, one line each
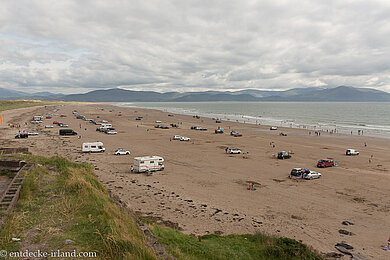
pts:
[62, 201]
[13, 104]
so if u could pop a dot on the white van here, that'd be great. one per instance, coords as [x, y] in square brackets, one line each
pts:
[351, 152]
[106, 126]
[148, 163]
[94, 147]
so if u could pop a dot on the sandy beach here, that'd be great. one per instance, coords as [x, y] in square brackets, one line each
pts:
[203, 190]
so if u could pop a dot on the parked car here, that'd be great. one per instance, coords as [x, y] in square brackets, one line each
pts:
[351, 152]
[138, 118]
[174, 125]
[62, 125]
[158, 121]
[235, 134]
[111, 132]
[121, 151]
[233, 151]
[217, 121]
[273, 128]
[161, 126]
[282, 134]
[49, 126]
[201, 128]
[183, 138]
[176, 137]
[56, 122]
[20, 136]
[33, 133]
[193, 127]
[296, 172]
[325, 163]
[284, 155]
[218, 131]
[312, 175]
[67, 132]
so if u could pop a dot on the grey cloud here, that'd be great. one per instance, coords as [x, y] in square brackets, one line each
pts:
[193, 45]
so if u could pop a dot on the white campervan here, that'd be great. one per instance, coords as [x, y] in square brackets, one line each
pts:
[148, 163]
[37, 118]
[94, 147]
[106, 126]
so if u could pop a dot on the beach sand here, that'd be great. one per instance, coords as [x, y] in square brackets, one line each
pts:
[203, 190]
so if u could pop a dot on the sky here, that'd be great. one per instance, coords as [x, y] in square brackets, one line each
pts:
[73, 46]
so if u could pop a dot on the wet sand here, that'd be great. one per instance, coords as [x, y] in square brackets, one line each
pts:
[203, 190]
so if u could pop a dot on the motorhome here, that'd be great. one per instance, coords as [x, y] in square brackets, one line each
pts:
[37, 118]
[94, 147]
[148, 163]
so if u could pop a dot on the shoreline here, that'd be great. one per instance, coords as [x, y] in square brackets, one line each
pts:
[358, 129]
[204, 190]
[266, 126]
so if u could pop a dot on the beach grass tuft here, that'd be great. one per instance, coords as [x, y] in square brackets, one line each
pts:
[256, 246]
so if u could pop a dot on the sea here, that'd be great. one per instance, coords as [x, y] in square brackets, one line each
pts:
[370, 119]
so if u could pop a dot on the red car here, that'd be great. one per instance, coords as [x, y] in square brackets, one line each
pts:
[56, 122]
[325, 163]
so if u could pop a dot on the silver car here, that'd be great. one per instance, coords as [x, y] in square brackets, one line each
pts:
[312, 175]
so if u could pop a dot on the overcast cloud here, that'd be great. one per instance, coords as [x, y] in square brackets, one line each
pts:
[76, 46]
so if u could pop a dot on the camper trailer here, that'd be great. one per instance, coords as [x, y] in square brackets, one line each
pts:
[94, 147]
[148, 163]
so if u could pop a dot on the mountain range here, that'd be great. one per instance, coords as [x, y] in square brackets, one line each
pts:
[311, 94]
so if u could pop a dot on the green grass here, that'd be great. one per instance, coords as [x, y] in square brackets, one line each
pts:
[257, 246]
[13, 104]
[63, 200]
[5, 172]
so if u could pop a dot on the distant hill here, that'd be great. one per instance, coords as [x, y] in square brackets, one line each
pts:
[314, 94]
[4, 93]
[341, 93]
[338, 94]
[121, 95]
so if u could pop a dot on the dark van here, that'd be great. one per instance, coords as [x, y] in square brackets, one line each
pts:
[67, 132]
[19, 136]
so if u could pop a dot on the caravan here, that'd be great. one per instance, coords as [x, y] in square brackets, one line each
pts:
[148, 163]
[94, 147]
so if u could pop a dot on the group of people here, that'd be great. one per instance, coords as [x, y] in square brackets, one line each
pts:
[251, 186]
